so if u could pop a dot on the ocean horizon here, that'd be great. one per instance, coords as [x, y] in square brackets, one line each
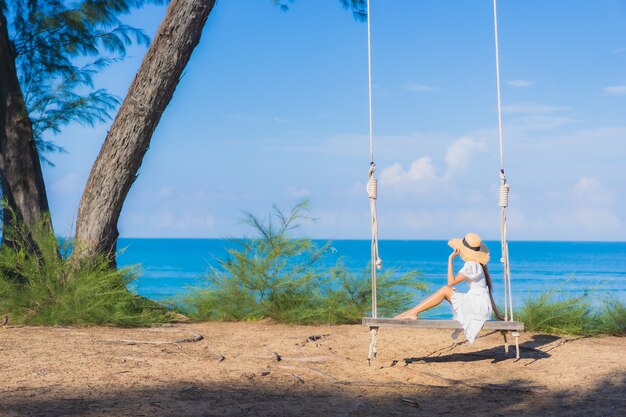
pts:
[171, 267]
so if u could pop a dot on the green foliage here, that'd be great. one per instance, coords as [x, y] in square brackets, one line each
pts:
[283, 278]
[44, 288]
[50, 38]
[613, 317]
[358, 7]
[553, 312]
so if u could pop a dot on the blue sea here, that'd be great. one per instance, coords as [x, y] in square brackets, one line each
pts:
[171, 267]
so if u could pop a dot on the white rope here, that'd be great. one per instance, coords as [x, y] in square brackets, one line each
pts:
[495, 29]
[504, 187]
[376, 263]
[372, 182]
[372, 352]
[369, 79]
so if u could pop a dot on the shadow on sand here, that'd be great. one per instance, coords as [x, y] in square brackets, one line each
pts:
[283, 397]
[529, 349]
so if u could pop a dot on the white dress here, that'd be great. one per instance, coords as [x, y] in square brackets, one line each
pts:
[473, 308]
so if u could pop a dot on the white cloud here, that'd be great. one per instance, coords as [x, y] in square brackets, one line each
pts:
[418, 178]
[421, 176]
[460, 154]
[299, 192]
[527, 117]
[192, 223]
[420, 88]
[584, 210]
[254, 119]
[532, 108]
[520, 83]
[615, 90]
[618, 51]
[590, 191]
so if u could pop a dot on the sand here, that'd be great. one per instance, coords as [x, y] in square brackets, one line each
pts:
[246, 369]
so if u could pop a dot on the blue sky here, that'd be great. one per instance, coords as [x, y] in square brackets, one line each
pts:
[273, 108]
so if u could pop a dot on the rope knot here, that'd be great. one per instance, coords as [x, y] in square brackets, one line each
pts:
[504, 195]
[379, 264]
[372, 183]
[371, 170]
[372, 188]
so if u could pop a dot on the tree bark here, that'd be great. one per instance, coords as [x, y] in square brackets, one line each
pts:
[117, 165]
[20, 169]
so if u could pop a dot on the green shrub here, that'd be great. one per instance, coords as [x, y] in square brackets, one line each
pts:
[283, 278]
[613, 317]
[558, 315]
[555, 313]
[41, 286]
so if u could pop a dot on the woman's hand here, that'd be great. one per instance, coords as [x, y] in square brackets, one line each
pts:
[452, 280]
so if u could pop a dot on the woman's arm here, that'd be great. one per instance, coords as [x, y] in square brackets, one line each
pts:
[452, 280]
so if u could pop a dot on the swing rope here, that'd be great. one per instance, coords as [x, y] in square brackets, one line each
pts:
[372, 191]
[372, 182]
[504, 187]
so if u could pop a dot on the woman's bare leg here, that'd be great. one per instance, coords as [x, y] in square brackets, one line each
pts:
[443, 293]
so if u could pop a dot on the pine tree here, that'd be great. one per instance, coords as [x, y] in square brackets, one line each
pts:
[43, 89]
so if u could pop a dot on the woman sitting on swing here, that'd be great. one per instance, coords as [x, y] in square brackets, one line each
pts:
[476, 306]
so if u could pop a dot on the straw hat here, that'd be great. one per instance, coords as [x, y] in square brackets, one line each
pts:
[471, 248]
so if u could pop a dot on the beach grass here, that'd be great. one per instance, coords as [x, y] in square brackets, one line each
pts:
[41, 286]
[613, 317]
[274, 275]
[555, 313]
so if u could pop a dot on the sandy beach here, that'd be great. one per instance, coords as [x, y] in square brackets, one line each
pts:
[233, 369]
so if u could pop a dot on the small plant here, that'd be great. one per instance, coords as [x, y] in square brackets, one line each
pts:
[613, 317]
[39, 285]
[274, 275]
[553, 312]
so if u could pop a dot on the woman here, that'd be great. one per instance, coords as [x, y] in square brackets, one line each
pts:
[476, 306]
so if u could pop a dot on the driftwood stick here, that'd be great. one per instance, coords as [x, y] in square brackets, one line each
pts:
[20, 389]
[193, 339]
[309, 359]
[478, 386]
[220, 357]
[316, 337]
[280, 358]
[298, 378]
[384, 384]
[410, 401]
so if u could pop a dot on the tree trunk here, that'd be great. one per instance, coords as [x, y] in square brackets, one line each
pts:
[116, 167]
[20, 168]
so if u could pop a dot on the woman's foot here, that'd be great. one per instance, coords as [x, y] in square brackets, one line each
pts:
[405, 316]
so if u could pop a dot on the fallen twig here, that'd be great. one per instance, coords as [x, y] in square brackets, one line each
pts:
[18, 389]
[193, 339]
[383, 383]
[316, 337]
[298, 378]
[309, 359]
[477, 386]
[410, 402]
[220, 357]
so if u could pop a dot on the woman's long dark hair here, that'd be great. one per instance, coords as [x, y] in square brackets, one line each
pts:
[493, 303]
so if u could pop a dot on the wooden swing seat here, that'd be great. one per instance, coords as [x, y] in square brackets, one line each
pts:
[440, 324]
[504, 327]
